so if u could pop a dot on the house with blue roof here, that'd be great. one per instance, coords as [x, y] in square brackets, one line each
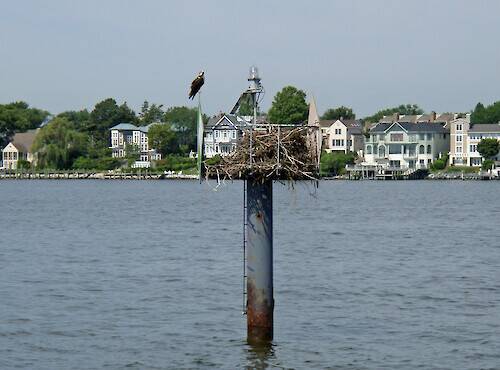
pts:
[124, 135]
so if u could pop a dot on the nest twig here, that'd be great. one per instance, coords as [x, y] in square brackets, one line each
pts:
[269, 152]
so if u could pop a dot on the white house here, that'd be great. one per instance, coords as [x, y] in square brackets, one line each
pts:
[406, 145]
[475, 134]
[342, 135]
[19, 149]
[222, 134]
[125, 134]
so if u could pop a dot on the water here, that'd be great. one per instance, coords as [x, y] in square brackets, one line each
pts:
[147, 275]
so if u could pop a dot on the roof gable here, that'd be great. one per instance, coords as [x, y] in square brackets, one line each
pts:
[395, 126]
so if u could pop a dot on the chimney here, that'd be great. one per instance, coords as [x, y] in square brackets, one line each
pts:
[433, 116]
[396, 117]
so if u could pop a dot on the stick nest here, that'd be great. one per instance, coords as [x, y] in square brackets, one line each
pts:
[269, 152]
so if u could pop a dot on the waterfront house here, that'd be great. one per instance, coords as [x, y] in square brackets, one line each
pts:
[19, 148]
[459, 130]
[124, 135]
[475, 134]
[222, 134]
[403, 145]
[342, 135]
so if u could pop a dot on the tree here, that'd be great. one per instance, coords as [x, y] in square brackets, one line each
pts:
[488, 164]
[334, 163]
[489, 114]
[105, 115]
[406, 109]
[337, 113]
[132, 153]
[184, 121]
[150, 113]
[79, 119]
[162, 138]
[58, 144]
[289, 106]
[488, 148]
[18, 117]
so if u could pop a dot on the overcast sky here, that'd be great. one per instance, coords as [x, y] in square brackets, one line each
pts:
[61, 54]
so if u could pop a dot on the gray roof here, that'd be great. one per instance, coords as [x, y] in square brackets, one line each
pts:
[233, 119]
[412, 127]
[23, 141]
[479, 127]
[131, 127]
[124, 126]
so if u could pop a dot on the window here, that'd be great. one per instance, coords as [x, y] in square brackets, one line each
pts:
[234, 134]
[429, 149]
[224, 133]
[459, 127]
[396, 137]
[429, 136]
[368, 149]
[394, 149]
[421, 149]
[338, 131]
[216, 133]
[473, 148]
[429, 161]
[459, 149]
[421, 136]
[459, 138]
[381, 151]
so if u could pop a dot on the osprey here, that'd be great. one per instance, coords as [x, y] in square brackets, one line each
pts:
[197, 84]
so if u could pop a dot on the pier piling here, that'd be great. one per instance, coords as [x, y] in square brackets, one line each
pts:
[260, 301]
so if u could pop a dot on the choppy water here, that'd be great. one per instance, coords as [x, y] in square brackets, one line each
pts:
[147, 275]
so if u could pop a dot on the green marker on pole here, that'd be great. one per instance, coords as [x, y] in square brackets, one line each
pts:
[200, 138]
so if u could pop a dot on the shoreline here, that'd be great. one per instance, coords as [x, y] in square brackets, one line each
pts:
[54, 175]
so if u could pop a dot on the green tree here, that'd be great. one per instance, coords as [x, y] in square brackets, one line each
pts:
[406, 109]
[289, 106]
[79, 119]
[18, 117]
[489, 114]
[488, 148]
[333, 164]
[488, 164]
[162, 138]
[184, 121]
[132, 153]
[150, 113]
[58, 144]
[339, 112]
[105, 115]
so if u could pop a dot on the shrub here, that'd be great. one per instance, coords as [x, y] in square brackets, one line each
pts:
[176, 163]
[23, 164]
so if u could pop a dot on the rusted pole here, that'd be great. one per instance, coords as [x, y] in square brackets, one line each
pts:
[260, 301]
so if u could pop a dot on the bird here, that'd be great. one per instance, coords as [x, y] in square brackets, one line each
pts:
[197, 84]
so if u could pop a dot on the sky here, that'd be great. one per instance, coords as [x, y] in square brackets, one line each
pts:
[68, 55]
